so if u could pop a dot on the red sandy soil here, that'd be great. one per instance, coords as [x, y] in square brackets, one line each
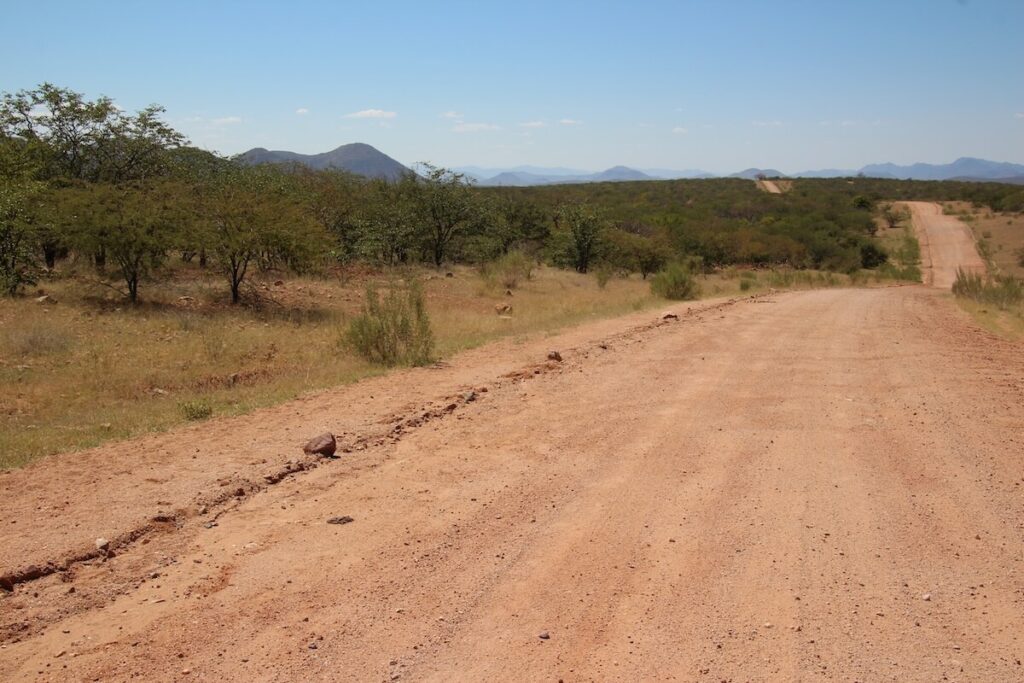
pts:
[818, 485]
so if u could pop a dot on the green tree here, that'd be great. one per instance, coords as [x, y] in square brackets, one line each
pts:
[334, 199]
[18, 262]
[132, 224]
[245, 214]
[75, 138]
[387, 221]
[445, 203]
[584, 229]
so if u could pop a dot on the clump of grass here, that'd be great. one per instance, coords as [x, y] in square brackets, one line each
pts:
[676, 283]
[393, 330]
[36, 339]
[508, 270]
[1003, 291]
[604, 273]
[195, 410]
[745, 285]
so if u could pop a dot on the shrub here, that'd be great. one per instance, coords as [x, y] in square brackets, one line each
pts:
[508, 270]
[745, 284]
[37, 339]
[1020, 257]
[195, 410]
[604, 273]
[675, 282]
[1002, 291]
[393, 330]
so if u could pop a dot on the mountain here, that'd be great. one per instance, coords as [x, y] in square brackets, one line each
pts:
[964, 167]
[671, 174]
[619, 173]
[827, 173]
[752, 173]
[357, 158]
[523, 179]
[483, 172]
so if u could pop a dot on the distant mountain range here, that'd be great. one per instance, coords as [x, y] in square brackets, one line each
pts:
[367, 161]
[356, 158]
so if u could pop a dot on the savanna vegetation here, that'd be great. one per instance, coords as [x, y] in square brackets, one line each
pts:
[147, 282]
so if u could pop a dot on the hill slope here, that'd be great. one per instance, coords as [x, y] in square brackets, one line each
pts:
[358, 158]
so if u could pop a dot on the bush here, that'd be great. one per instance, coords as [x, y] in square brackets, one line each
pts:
[604, 273]
[195, 410]
[393, 330]
[1002, 291]
[675, 282]
[508, 270]
[37, 339]
[745, 284]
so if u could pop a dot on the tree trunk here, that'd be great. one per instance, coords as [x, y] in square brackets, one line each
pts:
[50, 255]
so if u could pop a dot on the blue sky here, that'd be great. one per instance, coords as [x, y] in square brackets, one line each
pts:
[717, 84]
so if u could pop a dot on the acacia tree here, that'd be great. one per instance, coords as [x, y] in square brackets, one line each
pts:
[72, 139]
[248, 213]
[445, 203]
[584, 228]
[77, 139]
[333, 199]
[517, 222]
[388, 221]
[18, 264]
[132, 224]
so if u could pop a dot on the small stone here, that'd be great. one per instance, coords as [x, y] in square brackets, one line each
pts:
[544, 635]
[469, 396]
[102, 544]
[312, 646]
[927, 597]
[343, 519]
[555, 356]
[768, 624]
[669, 315]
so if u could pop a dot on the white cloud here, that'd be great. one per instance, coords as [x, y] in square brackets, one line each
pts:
[570, 122]
[679, 130]
[532, 124]
[301, 111]
[462, 127]
[1019, 115]
[767, 124]
[451, 115]
[227, 121]
[371, 114]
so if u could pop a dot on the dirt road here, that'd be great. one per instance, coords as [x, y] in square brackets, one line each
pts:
[813, 485]
[946, 244]
[770, 187]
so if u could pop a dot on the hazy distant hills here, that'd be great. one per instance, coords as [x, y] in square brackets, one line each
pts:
[367, 161]
[964, 167]
[752, 173]
[521, 177]
[356, 158]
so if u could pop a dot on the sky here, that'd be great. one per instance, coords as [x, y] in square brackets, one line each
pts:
[719, 85]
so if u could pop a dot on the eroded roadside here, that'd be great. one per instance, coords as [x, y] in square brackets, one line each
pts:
[164, 488]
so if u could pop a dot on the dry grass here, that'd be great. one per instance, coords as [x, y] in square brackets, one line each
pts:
[1002, 235]
[90, 369]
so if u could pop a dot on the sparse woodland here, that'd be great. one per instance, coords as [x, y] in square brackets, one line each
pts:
[84, 181]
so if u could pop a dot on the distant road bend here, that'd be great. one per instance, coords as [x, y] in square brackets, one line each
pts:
[816, 485]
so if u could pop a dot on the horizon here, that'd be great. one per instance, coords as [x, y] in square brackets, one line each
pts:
[720, 88]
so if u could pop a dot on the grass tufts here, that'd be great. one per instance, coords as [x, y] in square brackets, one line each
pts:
[394, 329]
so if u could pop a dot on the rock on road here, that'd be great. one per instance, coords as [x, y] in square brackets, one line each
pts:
[817, 485]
